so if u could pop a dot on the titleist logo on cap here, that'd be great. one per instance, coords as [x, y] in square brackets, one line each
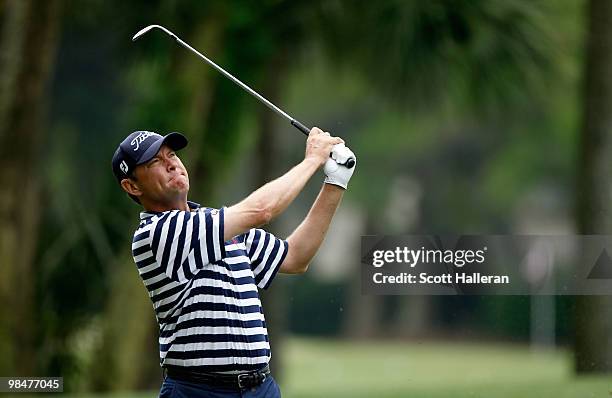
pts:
[140, 138]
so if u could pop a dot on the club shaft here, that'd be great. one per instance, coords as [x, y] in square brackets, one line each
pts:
[245, 87]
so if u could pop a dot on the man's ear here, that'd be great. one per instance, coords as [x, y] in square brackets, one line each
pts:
[130, 186]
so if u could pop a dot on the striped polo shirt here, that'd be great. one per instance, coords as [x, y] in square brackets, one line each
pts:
[204, 290]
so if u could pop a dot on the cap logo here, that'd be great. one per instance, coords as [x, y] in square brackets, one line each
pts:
[140, 138]
[124, 167]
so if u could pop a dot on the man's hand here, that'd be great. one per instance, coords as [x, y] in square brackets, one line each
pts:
[336, 173]
[319, 145]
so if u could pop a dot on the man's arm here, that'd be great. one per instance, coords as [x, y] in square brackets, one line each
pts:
[308, 236]
[272, 199]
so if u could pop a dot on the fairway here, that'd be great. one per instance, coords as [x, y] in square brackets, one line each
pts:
[324, 368]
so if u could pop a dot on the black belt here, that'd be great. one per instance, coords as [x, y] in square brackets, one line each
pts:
[239, 381]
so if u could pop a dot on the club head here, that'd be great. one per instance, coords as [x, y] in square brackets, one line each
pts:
[150, 27]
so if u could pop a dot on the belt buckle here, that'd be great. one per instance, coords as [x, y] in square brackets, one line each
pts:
[240, 384]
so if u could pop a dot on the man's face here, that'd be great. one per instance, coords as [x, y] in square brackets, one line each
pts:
[162, 179]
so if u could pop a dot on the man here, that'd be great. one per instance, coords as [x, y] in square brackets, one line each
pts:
[202, 266]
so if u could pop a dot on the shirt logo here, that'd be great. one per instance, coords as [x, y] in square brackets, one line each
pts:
[140, 138]
[124, 167]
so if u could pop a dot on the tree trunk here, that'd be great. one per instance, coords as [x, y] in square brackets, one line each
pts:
[593, 317]
[28, 43]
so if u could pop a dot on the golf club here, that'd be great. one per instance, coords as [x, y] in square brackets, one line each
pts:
[349, 163]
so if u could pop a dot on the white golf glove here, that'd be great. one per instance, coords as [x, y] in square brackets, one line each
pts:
[335, 171]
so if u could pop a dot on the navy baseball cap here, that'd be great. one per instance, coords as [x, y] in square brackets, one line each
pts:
[140, 147]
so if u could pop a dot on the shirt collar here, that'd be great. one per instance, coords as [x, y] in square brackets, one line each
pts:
[148, 214]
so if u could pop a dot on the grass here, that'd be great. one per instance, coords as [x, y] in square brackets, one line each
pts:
[323, 368]
[333, 368]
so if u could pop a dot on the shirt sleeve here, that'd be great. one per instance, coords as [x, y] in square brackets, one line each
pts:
[185, 242]
[267, 253]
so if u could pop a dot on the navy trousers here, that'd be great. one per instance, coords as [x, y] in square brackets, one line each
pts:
[172, 388]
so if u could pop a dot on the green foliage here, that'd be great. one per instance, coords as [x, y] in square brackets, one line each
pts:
[487, 53]
[316, 308]
[507, 316]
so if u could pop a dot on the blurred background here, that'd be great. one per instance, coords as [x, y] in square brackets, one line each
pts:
[467, 117]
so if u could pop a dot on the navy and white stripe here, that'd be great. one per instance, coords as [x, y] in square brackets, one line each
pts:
[204, 290]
